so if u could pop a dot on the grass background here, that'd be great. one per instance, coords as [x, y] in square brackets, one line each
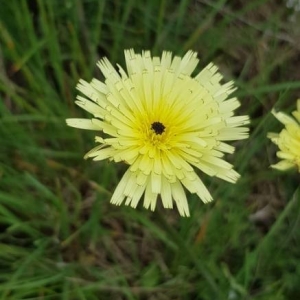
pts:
[60, 238]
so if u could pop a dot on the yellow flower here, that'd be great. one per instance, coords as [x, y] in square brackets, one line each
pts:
[288, 140]
[164, 124]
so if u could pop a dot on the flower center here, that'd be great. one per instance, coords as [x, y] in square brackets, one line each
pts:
[158, 127]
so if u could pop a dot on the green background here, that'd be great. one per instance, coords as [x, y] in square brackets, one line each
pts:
[60, 237]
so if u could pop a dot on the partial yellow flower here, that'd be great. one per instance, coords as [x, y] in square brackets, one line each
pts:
[164, 124]
[288, 140]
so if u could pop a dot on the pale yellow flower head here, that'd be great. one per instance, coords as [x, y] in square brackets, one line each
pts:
[164, 124]
[288, 140]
